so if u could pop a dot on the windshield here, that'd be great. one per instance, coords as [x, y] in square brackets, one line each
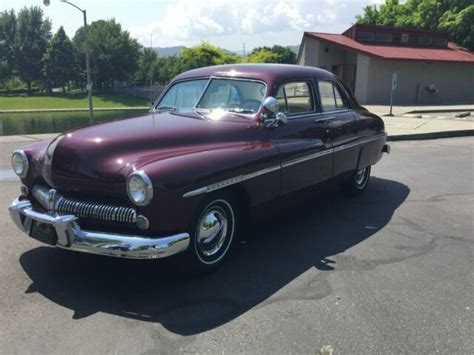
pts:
[182, 96]
[233, 95]
[242, 96]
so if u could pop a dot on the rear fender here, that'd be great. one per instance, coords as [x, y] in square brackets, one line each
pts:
[371, 152]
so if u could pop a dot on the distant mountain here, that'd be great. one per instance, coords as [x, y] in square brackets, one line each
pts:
[176, 50]
[169, 51]
[240, 52]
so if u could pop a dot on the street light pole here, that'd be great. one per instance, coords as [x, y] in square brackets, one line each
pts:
[151, 73]
[86, 47]
[88, 70]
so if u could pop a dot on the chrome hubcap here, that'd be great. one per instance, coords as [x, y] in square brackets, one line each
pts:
[360, 176]
[212, 231]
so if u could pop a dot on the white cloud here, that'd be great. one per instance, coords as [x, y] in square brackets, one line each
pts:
[186, 22]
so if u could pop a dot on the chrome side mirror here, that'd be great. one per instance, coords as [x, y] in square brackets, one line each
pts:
[271, 105]
[273, 118]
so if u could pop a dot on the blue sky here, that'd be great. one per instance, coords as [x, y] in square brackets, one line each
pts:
[225, 23]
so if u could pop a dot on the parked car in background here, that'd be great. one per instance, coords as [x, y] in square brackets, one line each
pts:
[219, 142]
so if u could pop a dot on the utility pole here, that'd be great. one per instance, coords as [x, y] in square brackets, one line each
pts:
[244, 50]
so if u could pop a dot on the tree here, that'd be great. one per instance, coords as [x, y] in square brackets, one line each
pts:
[7, 44]
[167, 68]
[262, 56]
[456, 17]
[460, 25]
[146, 66]
[113, 53]
[275, 54]
[59, 60]
[33, 33]
[204, 55]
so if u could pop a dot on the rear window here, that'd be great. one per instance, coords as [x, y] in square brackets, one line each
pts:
[331, 99]
[295, 97]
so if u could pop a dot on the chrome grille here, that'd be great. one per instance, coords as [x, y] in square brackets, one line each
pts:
[53, 201]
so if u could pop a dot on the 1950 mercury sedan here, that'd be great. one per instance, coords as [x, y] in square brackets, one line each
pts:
[219, 142]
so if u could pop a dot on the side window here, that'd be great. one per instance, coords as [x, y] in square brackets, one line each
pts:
[331, 99]
[295, 98]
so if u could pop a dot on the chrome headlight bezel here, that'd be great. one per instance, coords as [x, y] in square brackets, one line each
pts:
[147, 188]
[25, 163]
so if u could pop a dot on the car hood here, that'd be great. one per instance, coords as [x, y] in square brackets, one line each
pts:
[100, 157]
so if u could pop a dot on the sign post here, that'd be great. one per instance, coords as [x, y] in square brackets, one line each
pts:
[394, 86]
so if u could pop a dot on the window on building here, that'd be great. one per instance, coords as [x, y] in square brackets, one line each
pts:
[439, 42]
[424, 40]
[331, 98]
[295, 98]
[365, 36]
[405, 37]
[383, 37]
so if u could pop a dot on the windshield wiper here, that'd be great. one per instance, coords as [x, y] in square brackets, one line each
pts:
[167, 108]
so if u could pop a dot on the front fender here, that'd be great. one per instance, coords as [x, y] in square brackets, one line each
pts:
[172, 209]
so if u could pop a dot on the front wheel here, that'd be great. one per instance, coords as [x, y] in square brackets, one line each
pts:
[357, 183]
[213, 233]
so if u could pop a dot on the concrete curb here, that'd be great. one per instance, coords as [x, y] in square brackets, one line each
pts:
[430, 135]
[437, 111]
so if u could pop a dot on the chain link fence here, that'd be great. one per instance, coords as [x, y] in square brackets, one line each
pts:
[148, 92]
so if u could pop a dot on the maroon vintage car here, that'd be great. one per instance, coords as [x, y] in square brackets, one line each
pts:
[219, 142]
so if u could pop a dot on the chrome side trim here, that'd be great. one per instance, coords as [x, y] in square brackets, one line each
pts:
[72, 237]
[240, 178]
[362, 141]
[374, 138]
[306, 158]
[231, 181]
[346, 146]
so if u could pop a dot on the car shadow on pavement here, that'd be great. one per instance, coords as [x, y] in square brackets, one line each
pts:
[307, 235]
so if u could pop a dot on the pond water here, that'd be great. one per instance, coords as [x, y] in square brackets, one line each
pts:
[56, 122]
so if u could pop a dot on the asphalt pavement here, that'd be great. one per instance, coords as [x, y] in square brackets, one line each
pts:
[388, 272]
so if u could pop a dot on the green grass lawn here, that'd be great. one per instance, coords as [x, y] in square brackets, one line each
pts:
[70, 100]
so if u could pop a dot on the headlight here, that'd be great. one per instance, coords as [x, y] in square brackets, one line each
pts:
[20, 163]
[139, 188]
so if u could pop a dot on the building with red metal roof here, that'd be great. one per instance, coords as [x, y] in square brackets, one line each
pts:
[429, 69]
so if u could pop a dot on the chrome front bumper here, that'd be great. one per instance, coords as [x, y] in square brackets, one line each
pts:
[71, 236]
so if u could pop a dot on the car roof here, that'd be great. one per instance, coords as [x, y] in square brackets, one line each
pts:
[265, 72]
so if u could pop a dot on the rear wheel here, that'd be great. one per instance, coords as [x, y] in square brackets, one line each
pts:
[357, 183]
[213, 233]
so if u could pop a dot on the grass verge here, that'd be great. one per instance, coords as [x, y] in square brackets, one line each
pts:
[69, 100]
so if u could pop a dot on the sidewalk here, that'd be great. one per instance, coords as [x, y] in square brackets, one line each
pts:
[383, 110]
[400, 127]
[397, 127]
